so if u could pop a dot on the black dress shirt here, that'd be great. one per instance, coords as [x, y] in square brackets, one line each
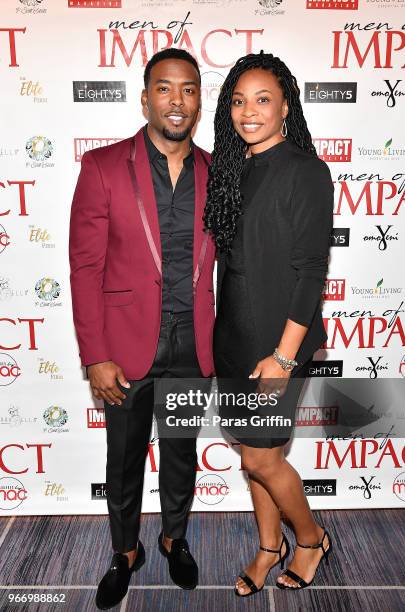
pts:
[176, 221]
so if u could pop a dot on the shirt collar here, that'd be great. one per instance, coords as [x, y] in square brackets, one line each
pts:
[154, 154]
[263, 157]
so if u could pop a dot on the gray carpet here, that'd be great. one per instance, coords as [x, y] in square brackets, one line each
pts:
[39, 554]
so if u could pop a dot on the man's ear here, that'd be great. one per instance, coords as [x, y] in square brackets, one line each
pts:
[144, 99]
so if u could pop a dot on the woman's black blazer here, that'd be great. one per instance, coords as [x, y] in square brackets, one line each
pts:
[286, 236]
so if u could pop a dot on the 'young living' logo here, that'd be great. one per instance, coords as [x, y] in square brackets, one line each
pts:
[383, 4]
[387, 152]
[376, 292]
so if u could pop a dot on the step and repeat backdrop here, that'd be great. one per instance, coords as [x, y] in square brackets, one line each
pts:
[71, 75]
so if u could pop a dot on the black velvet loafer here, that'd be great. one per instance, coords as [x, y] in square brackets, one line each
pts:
[114, 585]
[183, 569]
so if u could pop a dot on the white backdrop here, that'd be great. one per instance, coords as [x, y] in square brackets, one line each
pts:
[52, 446]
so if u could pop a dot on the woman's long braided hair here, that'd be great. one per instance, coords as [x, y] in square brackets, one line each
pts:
[223, 205]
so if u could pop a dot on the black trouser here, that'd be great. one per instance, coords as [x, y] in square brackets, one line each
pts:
[128, 434]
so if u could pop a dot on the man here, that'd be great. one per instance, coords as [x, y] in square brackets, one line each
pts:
[143, 305]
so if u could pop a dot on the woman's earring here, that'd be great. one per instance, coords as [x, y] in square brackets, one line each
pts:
[284, 129]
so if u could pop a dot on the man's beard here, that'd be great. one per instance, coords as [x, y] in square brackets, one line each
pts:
[177, 136]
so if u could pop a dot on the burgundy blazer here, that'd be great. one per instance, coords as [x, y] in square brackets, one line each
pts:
[115, 260]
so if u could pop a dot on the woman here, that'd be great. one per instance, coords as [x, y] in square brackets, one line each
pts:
[269, 207]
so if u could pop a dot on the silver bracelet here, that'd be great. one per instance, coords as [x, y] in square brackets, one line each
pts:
[286, 364]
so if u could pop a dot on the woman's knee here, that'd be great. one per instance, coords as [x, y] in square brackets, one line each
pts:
[262, 461]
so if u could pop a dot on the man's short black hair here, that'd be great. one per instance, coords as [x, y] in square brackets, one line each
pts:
[171, 53]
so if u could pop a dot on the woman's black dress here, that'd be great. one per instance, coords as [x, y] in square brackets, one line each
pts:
[235, 341]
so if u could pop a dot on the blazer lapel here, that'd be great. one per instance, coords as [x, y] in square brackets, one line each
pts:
[200, 236]
[141, 177]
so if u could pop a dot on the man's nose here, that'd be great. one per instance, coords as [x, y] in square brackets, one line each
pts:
[176, 98]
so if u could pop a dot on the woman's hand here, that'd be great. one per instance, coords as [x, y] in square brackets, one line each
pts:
[273, 379]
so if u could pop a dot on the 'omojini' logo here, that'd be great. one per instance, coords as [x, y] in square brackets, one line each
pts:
[390, 94]
[384, 237]
[366, 487]
[374, 368]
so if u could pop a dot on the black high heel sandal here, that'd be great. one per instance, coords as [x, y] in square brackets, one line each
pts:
[300, 581]
[247, 579]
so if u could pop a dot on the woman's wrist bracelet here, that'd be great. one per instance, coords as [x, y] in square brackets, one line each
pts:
[286, 364]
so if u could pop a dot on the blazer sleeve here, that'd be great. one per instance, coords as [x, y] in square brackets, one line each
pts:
[88, 236]
[312, 222]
